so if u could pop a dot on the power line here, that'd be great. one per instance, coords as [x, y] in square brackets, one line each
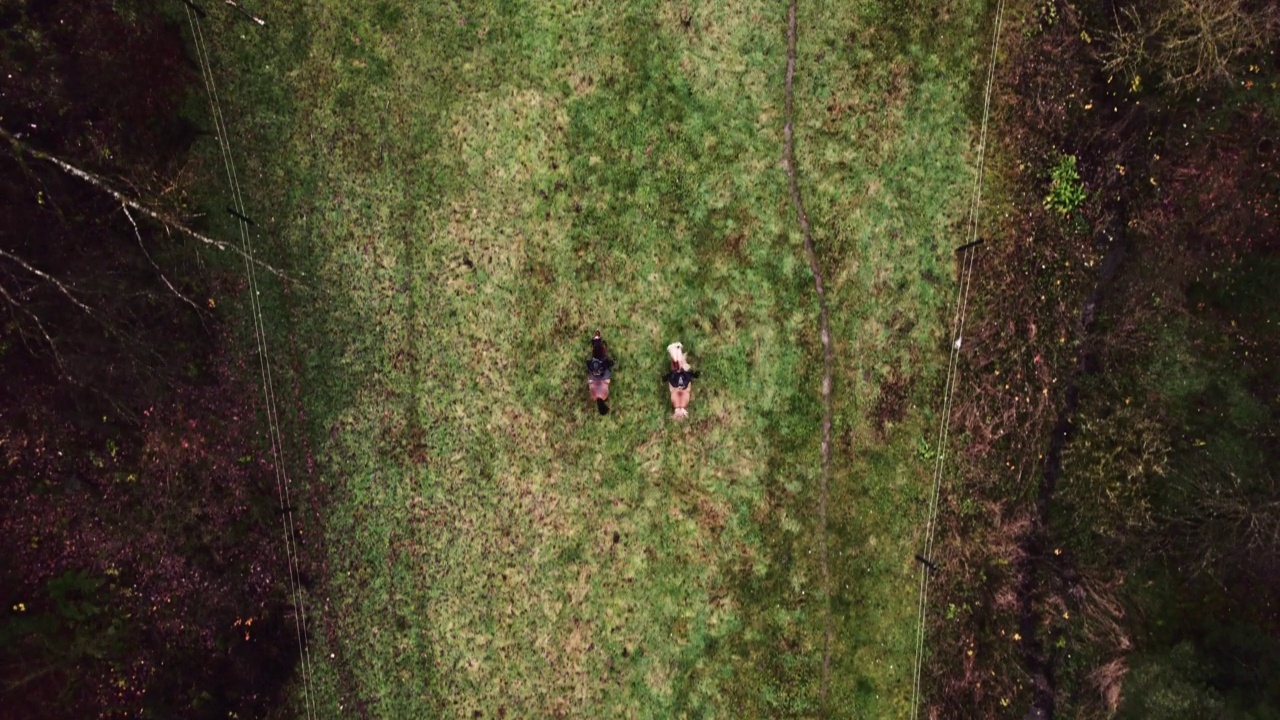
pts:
[268, 388]
[962, 304]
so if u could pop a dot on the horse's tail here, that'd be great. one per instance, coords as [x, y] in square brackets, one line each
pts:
[602, 406]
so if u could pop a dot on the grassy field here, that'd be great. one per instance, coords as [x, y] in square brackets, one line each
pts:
[473, 187]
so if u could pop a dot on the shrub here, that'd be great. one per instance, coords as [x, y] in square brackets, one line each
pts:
[1066, 190]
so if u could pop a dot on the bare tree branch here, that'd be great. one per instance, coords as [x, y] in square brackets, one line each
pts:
[127, 201]
[1192, 43]
[1222, 517]
[49, 278]
[138, 234]
[53, 347]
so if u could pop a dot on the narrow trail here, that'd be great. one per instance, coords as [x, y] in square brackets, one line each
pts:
[788, 163]
[1037, 568]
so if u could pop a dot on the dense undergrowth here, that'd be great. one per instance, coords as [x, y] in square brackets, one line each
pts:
[142, 571]
[1151, 591]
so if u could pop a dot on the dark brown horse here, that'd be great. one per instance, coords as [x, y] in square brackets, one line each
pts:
[599, 368]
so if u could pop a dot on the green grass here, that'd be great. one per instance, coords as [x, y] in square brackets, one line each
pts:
[471, 189]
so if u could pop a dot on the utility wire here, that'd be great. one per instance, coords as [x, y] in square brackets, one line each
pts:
[962, 305]
[268, 389]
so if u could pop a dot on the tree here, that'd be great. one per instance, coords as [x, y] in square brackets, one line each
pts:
[1189, 44]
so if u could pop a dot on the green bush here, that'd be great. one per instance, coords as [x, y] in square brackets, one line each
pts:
[1169, 686]
[1066, 190]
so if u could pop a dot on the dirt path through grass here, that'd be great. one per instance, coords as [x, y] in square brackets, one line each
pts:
[789, 163]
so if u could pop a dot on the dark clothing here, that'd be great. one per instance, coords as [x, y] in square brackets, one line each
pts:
[680, 379]
[598, 369]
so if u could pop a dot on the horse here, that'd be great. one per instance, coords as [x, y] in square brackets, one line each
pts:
[599, 367]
